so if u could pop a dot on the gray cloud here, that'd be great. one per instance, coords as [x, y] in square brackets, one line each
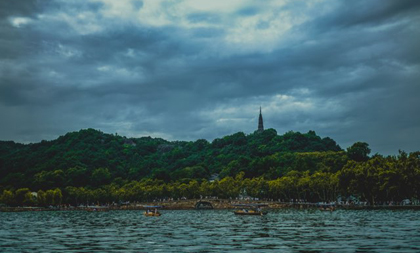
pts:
[348, 70]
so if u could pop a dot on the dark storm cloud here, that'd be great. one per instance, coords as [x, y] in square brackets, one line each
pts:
[369, 13]
[21, 8]
[348, 70]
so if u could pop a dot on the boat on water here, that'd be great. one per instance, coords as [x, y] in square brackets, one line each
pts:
[326, 207]
[250, 209]
[152, 211]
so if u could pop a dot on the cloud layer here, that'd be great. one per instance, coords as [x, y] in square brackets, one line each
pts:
[185, 70]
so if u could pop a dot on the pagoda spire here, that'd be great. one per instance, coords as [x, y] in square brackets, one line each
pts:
[260, 123]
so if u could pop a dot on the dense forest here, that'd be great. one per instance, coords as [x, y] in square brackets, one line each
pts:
[93, 167]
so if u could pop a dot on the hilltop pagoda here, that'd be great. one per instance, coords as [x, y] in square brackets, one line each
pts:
[260, 123]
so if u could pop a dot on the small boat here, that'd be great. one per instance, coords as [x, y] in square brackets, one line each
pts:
[152, 211]
[250, 209]
[326, 207]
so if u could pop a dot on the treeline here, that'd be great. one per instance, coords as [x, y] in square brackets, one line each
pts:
[90, 166]
[376, 180]
[24, 197]
[90, 158]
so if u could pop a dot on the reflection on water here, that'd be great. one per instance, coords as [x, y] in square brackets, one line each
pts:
[211, 231]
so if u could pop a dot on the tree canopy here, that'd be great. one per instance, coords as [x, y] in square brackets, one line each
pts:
[89, 166]
[91, 158]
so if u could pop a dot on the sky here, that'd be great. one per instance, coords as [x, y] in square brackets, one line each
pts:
[201, 69]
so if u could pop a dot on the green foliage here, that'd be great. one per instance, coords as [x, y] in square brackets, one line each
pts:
[41, 198]
[89, 167]
[359, 152]
[382, 179]
[20, 195]
[53, 197]
[49, 179]
[100, 176]
[377, 180]
[8, 198]
[29, 199]
[90, 158]
[77, 176]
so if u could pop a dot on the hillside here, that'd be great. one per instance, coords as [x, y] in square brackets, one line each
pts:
[91, 167]
[92, 158]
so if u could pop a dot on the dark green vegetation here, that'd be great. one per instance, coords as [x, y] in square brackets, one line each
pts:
[90, 166]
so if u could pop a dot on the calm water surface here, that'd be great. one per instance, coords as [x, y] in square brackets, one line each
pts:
[211, 231]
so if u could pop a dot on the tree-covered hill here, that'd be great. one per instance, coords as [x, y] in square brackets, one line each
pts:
[89, 167]
[93, 158]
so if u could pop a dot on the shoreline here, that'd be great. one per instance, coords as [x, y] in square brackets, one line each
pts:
[217, 204]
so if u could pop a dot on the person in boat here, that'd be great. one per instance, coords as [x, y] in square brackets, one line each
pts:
[152, 210]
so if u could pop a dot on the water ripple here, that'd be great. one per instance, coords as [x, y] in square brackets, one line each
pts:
[211, 231]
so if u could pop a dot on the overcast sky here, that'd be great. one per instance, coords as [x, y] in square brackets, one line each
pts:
[201, 69]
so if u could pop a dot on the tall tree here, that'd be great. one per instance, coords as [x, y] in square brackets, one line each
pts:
[359, 152]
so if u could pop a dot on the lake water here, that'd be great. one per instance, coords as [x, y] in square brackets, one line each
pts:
[211, 231]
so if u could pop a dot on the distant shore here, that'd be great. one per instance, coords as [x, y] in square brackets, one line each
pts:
[217, 204]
